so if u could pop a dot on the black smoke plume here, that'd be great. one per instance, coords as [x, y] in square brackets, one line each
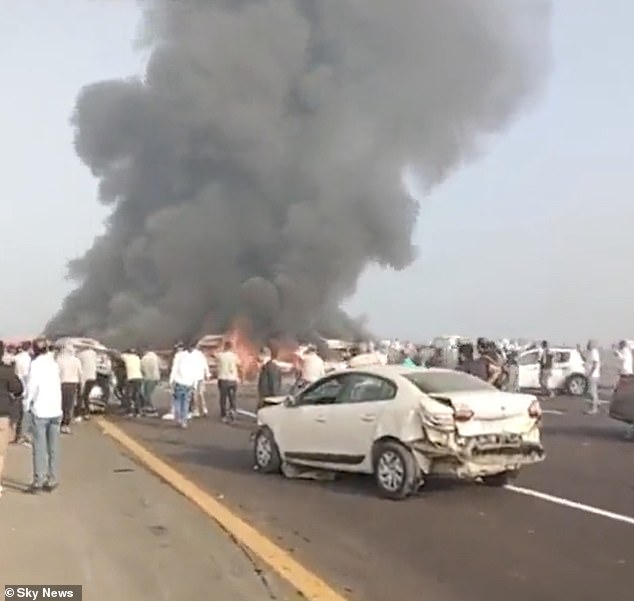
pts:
[255, 169]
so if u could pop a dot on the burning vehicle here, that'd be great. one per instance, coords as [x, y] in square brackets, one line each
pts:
[247, 350]
[403, 426]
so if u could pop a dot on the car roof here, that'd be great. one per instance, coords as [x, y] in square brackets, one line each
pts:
[83, 343]
[392, 370]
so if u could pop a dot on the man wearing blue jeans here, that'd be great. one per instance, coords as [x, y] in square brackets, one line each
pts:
[43, 402]
[183, 377]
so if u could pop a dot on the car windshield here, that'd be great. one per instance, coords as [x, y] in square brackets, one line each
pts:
[437, 382]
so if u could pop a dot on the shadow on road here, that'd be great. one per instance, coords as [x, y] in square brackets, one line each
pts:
[240, 461]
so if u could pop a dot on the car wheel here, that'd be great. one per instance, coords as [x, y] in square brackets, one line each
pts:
[576, 385]
[266, 455]
[498, 480]
[395, 470]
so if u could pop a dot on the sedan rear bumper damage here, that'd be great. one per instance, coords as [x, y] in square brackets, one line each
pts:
[472, 457]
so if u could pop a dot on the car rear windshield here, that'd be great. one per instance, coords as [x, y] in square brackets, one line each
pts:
[436, 382]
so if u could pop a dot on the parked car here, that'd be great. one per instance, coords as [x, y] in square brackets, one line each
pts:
[622, 403]
[400, 424]
[567, 375]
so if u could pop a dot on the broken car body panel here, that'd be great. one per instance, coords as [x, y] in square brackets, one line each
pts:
[500, 436]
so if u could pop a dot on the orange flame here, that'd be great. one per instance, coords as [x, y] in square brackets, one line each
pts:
[245, 348]
[249, 351]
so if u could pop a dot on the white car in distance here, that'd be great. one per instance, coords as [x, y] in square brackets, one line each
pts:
[400, 424]
[567, 374]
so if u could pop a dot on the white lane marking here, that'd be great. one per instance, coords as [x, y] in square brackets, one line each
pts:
[572, 504]
[553, 412]
[534, 493]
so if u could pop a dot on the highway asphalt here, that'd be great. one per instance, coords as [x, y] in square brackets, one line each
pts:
[452, 542]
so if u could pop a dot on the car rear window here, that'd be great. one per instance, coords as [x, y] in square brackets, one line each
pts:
[447, 381]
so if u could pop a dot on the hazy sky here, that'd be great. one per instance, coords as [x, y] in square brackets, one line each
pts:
[532, 239]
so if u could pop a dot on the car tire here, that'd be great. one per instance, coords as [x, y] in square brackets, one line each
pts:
[266, 455]
[576, 385]
[396, 472]
[498, 480]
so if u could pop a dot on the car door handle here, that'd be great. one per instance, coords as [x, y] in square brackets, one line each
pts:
[368, 417]
[321, 419]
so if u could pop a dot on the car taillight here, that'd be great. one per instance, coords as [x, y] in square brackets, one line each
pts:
[535, 410]
[462, 414]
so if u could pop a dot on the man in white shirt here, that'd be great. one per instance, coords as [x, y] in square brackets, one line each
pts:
[228, 365]
[593, 373]
[312, 367]
[200, 404]
[624, 354]
[22, 365]
[179, 348]
[43, 401]
[151, 370]
[134, 382]
[71, 378]
[22, 362]
[182, 380]
[104, 376]
[88, 358]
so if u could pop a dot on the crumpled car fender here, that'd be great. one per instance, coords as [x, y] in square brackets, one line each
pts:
[403, 425]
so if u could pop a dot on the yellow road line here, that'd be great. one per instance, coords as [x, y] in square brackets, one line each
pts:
[302, 579]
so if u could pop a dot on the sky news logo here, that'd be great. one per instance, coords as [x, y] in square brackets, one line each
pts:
[35, 592]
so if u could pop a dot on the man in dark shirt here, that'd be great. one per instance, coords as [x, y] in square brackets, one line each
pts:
[545, 368]
[481, 367]
[10, 389]
[469, 364]
[270, 378]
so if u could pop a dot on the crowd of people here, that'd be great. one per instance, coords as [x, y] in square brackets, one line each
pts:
[31, 409]
[45, 389]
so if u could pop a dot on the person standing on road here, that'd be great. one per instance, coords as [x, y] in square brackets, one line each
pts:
[626, 370]
[624, 354]
[182, 381]
[22, 365]
[179, 348]
[313, 367]
[134, 382]
[10, 389]
[71, 378]
[513, 380]
[22, 362]
[43, 400]
[270, 378]
[104, 376]
[151, 370]
[228, 378]
[593, 373]
[204, 374]
[88, 358]
[545, 368]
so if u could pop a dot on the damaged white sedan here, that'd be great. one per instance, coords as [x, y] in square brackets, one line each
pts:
[402, 425]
